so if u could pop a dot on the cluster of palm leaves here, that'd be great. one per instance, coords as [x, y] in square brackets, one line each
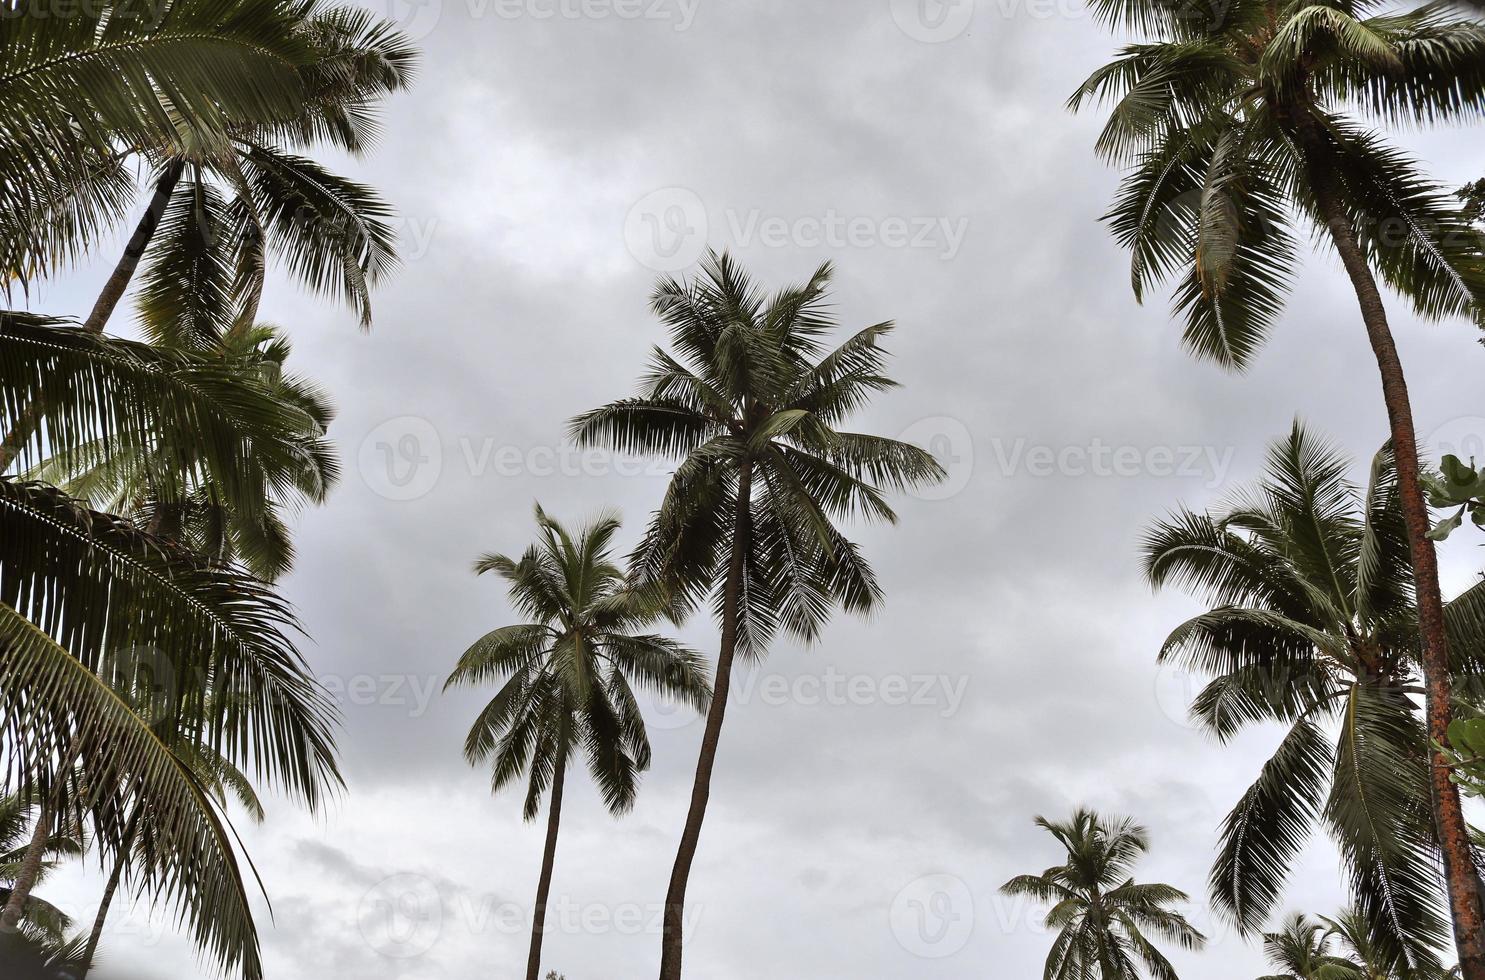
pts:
[148, 670]
[1342, 948]
[750, 406]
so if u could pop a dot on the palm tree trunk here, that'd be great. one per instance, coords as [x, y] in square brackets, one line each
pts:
[675, 899]
[548, 856]
[108, 892]
[118, 282]
[25, 880]
[1460, 874]
[113, 291]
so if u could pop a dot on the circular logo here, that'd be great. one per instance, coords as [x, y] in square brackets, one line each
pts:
[933, 21]
[401, 917]
[666, 230]
[1463, 437]
[402, 458]
[949, 441]
[414, 18]
[1176, 687]
[934, 916]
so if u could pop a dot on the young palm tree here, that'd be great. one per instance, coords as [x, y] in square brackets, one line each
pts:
[1313, 626]
[750, 405]
[1106, 921]
[1370, 960]
[1304, 950]
[569, 680]
[1235, 121]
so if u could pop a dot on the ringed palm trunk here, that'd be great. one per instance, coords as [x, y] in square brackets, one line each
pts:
[108, 299]
[123, 272]
[544, 885]
[25, 880]
[675, 899]
[1461, 878]
[108, 893]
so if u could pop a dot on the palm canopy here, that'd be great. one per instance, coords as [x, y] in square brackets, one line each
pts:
[225, 522]
[1312, 626]
[44, 923]
[1305, 950]
[1106, 922]
[570, 674]
[1230, 121]
[284, 76]
[750, 404]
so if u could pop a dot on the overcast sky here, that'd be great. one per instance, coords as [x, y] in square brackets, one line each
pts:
[873, 792]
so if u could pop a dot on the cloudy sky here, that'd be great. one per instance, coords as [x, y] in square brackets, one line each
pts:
[872, 792]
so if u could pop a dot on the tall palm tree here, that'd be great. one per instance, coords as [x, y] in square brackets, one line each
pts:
[750, 405]
[569, 680]
[1107, 923]
[86, 597]
[1240, 121]
[1313, 626]
[1305, 950]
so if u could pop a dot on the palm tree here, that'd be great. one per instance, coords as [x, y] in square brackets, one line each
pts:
[1102, 915]
[1235, 126]
[764, 474]
[569, 680]
[1304, 950]
[1312, 625]
[272, 74]
[87, 597]
[212, 771]
[44, 926]
[230, 524]
[1370, 960]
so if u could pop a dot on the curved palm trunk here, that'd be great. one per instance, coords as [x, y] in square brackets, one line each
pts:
[675, 899]
[544, 886]
[108, 893]
[113, 291]
[25, 880]
[1460, 875]
[118, 282]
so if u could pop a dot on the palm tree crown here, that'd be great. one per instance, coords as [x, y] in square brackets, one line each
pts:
[1106, 921]
[1313, 626]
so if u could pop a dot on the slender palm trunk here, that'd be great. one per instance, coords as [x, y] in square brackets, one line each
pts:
[113, 291]
[108, 893]
[118, 282]
[25, 880]
[544, 886]
[675, 899]
[1461, 877]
